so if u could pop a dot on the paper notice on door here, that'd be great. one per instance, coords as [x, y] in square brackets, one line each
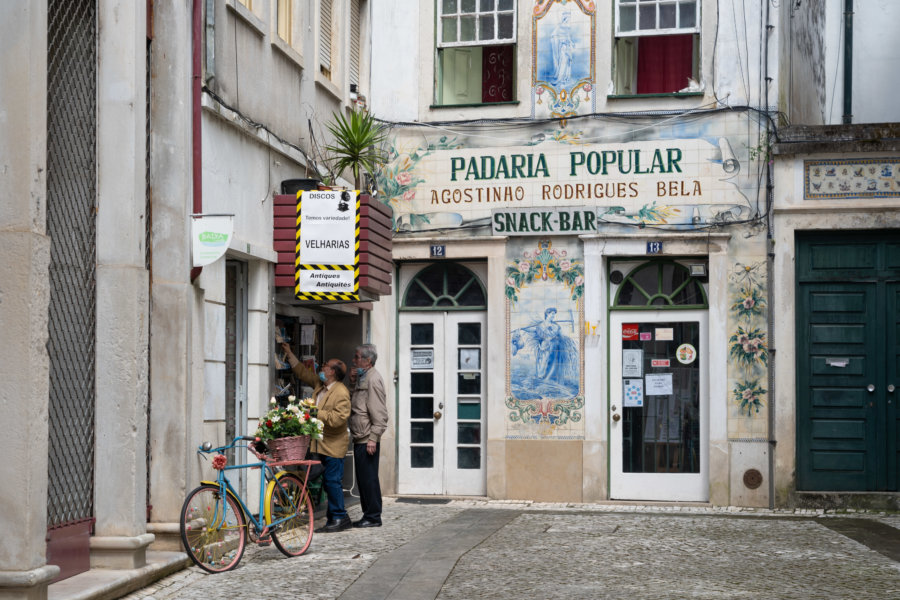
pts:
[665, 334]
[659, 384]
[633, 392]
[632, 363]
[421, 358]
[307, 335]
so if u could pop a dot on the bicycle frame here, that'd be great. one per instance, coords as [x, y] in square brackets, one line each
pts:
[268, 474]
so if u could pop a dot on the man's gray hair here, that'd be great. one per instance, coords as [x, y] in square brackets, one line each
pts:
[368, 352]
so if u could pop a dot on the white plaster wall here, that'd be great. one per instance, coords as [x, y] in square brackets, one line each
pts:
[394, 63]
[24, 293]
[383, 333]
[122, 280]
[876, 52]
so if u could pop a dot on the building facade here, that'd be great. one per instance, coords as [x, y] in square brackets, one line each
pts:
[590, 270]
[124, 122]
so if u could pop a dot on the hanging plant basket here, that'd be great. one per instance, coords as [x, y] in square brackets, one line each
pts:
[288, 448]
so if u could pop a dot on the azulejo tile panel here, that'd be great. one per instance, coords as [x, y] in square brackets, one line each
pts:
[852, 178]
[545, 382]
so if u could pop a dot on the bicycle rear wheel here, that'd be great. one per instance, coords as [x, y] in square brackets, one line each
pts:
[212, 529]
[286, 498]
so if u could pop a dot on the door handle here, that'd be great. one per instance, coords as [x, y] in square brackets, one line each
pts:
[616, 416]
[870, 388]
[891, 387]
[437, 414]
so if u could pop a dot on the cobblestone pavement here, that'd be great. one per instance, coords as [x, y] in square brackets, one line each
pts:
[552, 551]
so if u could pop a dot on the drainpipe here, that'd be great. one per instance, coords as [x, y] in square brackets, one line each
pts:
[770, 267]
[196, 66]
[848, 62]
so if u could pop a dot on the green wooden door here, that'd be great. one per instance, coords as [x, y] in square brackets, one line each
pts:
[848, 326]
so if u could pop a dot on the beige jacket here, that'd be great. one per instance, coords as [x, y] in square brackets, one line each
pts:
[368, 415]
[334, 410]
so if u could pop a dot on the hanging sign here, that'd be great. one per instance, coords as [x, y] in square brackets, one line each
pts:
[210, 236]
[326, 266]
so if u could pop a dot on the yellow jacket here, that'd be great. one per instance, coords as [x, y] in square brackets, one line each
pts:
[334, 411]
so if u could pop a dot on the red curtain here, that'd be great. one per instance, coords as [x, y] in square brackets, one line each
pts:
[496, 74]
[664, 63]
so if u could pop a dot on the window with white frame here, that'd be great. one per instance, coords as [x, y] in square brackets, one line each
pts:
[476, 51]
[657, 45]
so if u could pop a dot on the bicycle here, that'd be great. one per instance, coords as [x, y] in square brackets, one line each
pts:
[216, 524]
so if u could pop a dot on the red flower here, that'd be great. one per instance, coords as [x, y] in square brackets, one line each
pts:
[269, 423]
[218, 462]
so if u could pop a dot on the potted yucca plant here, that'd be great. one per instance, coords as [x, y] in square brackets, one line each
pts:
[356, 145]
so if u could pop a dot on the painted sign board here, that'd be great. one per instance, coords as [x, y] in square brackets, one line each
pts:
[327, 252]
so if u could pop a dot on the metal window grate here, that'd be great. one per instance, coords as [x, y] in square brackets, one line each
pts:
[71, 225]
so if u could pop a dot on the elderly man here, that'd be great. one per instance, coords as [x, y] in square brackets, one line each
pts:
[333, 403]
[368, 421]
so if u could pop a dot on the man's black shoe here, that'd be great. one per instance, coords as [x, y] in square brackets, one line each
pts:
[333, 525]
[366, 523]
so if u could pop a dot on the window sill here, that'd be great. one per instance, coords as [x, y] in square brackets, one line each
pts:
[247, 16]
[289, 51]
[666, 95]
[329, 86]
[474, 105]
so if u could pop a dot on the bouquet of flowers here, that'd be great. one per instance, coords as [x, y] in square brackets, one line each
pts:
[291, 420]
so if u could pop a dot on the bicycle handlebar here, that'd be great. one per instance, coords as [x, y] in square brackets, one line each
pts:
[206, 447]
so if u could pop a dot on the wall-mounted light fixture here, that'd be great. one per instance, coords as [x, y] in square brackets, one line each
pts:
[698, 270]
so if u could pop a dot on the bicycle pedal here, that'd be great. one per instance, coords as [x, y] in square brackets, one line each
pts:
[266, 541]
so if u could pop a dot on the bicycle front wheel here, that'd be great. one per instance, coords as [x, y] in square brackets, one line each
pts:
[212, 529]
[286, 498]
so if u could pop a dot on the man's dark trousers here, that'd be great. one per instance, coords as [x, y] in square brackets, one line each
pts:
[367, 480]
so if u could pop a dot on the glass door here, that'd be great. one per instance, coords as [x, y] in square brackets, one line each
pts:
[442, 425]
[658, 405]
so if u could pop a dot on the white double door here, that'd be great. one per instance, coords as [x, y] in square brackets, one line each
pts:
[442, 424]
[658, 405]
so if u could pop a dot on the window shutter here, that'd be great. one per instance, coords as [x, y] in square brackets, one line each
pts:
[325, 33]
[354, 42]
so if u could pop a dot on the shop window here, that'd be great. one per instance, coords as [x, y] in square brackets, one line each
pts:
[445, 286]
[661, 284]
[657, 46]
[476, 51]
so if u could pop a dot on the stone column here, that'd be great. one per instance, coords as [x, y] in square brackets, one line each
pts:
[24, 300]
[120, 480]
[174, 427]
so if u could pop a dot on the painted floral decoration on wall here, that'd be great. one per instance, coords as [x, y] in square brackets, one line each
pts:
[545, 264]
[398, 179]
[748, 348]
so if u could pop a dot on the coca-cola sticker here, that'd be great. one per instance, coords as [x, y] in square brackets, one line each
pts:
[686, 354]
[629, 331]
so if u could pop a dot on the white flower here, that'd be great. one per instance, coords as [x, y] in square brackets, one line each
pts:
[294, 408]
[291, 398]
[273, 400]
[275, 418]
